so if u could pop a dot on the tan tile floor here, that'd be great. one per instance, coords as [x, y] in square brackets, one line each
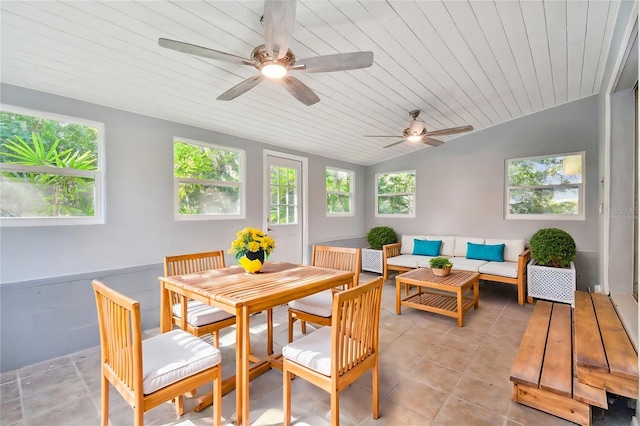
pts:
[431, 373]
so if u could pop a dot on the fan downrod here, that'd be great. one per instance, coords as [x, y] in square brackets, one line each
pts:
[414, 114]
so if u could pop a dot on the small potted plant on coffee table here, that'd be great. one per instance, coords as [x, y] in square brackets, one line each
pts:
[440, 266]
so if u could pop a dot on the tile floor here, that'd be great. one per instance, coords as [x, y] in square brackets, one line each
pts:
[431, 373]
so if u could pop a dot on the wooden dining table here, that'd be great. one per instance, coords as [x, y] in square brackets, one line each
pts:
[243, 294]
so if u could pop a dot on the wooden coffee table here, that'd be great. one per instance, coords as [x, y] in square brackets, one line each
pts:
[452, 295]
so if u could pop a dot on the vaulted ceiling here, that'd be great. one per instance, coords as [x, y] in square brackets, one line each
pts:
[460, 62]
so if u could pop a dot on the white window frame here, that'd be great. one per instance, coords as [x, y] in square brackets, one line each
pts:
[350, 194]
[581, 191]
[396, 215]
[98, 175]
[240, 184]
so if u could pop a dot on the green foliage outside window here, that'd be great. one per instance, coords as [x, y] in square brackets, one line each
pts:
[545, 185]
[208, 179]
[283, 200]
[29, 148]
[339, 191]
[396, 193]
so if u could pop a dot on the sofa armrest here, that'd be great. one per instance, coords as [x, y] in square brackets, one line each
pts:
[389, 250]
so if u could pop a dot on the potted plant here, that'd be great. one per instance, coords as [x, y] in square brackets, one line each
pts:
[440, 266]
[251, 247]
[372, 256]
[551, 273]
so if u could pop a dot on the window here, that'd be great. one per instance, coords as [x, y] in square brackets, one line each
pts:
[340, 185]
[208, 181]
[283, 194]
[396, 193]
[549, 187]
[51, 169]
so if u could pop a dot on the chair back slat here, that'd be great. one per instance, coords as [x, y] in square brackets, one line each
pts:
[194, 262]
[355, 321]
[120, 336]
[341, 258]
[190, 263]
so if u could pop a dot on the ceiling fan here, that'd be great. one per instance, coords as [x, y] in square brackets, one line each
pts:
[274, 59]
[416, 132]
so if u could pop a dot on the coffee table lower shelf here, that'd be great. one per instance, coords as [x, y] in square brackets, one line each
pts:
[438, 303]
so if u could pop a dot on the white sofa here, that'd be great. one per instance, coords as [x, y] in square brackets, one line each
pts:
[399, 257]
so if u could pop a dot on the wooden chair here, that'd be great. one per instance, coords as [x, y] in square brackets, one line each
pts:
[156, 370]
[202, 319]
[316, 308]
[334, 357]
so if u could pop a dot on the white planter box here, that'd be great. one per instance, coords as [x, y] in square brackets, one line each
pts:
[556, 284]
[371, 260]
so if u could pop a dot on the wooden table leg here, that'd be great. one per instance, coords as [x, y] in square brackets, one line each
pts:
[242, 389]
[476, 293]
[460, 309]
[398, 285]
[165, 309]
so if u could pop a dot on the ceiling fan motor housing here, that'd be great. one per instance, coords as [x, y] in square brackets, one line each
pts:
[261, 58]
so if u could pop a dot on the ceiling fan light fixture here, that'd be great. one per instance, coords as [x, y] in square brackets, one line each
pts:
[273, 70]
[414, 138]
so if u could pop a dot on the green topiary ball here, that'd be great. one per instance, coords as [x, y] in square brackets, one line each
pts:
[381, 235]
[553, 247]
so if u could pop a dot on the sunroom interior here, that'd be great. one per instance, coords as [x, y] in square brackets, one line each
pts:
[46, 302]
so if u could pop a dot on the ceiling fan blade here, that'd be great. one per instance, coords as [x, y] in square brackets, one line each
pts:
[382, 136]
[394, 144]
[192, 49]
[431, 141]
[450, 131]
[279, 17]
[300, 91]
[241, 88]
[337, 62]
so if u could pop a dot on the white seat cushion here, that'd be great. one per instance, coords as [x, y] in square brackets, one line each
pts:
[407, 243]
[319, 304]
[461, 245]
[170, 357]
[512, 248]
[200, 314]
[464, 264]
[504, 269]
[405, 260]
[312, 350]
[448, 244]
[424, 263]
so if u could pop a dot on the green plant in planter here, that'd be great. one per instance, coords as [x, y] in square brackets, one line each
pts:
[553, 247]
[440, 263]
[380, 236]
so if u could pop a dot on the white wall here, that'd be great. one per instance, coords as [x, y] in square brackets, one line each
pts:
[460, 185]
[140, 229]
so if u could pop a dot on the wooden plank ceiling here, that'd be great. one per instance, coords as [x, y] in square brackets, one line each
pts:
[459, 62]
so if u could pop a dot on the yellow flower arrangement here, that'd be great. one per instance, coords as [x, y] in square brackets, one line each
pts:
[251, 240]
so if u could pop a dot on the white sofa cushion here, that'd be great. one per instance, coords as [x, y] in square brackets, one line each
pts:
[464, 264]
[200, 314]
[504, 269]
[405, 260]
[448, 244]
[424, 262]
[170, 357]
[312, 350]
[319, 304]
[461, 245]
[407, 243]
[512, 248]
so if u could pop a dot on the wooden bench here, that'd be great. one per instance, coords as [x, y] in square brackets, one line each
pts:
[605, 356]
[569, 359]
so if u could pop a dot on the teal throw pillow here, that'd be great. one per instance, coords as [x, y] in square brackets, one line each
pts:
[426, 247]
[491, 253]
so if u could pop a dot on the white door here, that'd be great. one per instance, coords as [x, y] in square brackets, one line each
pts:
[284, 206]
